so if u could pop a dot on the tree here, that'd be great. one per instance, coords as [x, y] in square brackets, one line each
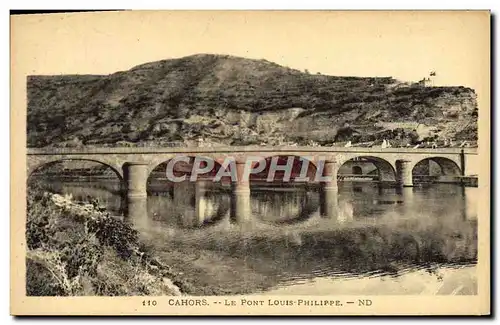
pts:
[413, 137]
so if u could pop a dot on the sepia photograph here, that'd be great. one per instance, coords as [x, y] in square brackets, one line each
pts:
[251, 162]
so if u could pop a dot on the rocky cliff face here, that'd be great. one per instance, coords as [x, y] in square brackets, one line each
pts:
[237, 101]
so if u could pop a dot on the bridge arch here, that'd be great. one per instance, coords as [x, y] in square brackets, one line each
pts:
[187, 204]
[81, 178]
[293, 204]
[36, 165]
[298, 171]
[182, 167]
[437, 168]
[381, 169]
[285, 208]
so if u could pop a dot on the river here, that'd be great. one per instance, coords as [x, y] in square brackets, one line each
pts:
[420, 240]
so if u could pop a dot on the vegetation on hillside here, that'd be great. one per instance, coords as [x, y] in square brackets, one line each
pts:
[80, 249]
[232, 100]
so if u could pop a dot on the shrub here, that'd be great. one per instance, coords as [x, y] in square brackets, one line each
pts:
[79, 249]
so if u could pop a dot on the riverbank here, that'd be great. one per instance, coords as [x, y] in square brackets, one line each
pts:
[79, 249]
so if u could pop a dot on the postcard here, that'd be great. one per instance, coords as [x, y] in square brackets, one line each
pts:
[250, 163]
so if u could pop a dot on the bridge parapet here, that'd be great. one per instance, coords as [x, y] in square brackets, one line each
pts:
[243, 149]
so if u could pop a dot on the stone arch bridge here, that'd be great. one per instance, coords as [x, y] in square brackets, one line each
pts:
[134, 164]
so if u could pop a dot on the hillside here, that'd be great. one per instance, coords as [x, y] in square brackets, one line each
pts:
[237, 101]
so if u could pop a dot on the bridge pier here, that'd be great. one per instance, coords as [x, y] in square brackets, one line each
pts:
[201, 204]
[408, 197]
[193, 195]
[329, 191]
[137, 212]
[136, 176]
[241, 211]
[404, 173]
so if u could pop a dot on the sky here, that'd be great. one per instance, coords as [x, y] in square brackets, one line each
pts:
[404, 45]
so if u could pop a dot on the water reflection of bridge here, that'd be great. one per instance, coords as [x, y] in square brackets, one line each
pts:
[137, 167]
